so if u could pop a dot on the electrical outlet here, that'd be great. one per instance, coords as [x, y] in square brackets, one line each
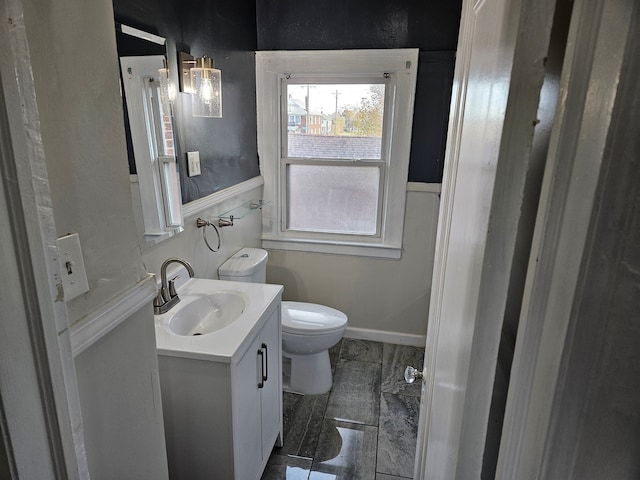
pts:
[74, 276]
[193, 163]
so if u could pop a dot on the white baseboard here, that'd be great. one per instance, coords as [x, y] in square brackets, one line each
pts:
[396, 338]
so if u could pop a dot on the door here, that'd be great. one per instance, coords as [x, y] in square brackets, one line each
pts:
[257, 401]
[498, 77]
[271, 393]
[247, 426]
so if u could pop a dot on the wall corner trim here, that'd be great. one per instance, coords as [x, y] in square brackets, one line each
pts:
[94, 326]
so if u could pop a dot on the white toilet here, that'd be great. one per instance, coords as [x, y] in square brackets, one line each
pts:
[308, 329]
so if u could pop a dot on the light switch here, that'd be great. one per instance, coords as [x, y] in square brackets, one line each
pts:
[74, 276]
[193, 163]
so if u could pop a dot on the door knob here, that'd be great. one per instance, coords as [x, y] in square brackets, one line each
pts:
[411, 374]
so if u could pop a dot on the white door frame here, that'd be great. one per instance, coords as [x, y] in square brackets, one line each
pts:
[588, 90]
[589, 85]
[460, 438]
[42, 425]
[442, 241]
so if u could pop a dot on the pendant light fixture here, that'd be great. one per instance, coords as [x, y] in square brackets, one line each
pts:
[207, 85]
[203, 81]
[167, 90]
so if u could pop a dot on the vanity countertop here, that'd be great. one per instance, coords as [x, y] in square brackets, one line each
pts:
[229, 343]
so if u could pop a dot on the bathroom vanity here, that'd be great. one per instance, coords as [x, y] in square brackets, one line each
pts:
[221, 390]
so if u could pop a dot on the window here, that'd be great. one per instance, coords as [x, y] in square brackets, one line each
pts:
[334, 130]
[153, 147]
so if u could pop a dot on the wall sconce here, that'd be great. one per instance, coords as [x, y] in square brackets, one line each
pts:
[167, 90]
[203, 81]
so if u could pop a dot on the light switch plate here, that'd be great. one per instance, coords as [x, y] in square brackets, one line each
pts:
[74, 276]
[193, 163]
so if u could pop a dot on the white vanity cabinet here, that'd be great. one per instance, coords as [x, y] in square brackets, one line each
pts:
[222, 418]
[256, 398]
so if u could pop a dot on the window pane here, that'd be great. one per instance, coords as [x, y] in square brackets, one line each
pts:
[335, 121]
[333, 199]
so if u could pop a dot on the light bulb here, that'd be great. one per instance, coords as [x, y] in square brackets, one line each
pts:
[207, 83]
[166, 85]
[172, 91]
[207, 91]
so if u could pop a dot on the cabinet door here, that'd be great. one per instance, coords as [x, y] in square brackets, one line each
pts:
[272, 390]
[247, 413]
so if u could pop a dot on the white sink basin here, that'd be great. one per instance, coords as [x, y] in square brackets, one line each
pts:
[200, 314]
[225, 314]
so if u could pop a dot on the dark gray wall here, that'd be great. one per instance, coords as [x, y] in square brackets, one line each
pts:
[428, 25]
[230, 32]
[226, 32]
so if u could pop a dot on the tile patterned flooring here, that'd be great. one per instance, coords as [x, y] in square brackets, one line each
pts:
[365, 428]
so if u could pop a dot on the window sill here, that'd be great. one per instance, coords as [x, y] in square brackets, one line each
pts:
[333, 248]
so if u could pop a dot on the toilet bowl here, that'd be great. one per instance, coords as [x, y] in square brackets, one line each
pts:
[308, 332]
[308, 329]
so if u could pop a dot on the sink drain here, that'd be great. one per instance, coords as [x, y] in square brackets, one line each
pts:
[196, 334]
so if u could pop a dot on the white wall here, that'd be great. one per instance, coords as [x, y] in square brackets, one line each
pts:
[73, 53]
[123, 427]
[190, 246]
[384, 299]
[75, 71]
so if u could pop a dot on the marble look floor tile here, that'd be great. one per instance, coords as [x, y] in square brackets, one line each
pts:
[284, 467]
[361, 350]
[302, 417]
[355, 395]
[395, 358]
[345, 452]
[384, 476]
[334, 355]
[397, 435]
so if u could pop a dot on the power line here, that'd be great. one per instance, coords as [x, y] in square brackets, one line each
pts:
[335, 117]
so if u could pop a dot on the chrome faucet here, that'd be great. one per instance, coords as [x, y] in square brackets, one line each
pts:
[167, 296]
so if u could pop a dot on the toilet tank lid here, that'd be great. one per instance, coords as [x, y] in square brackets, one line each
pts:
[243, 263]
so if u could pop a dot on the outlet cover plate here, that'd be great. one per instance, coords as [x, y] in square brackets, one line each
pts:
[193, 163]
[72, 271]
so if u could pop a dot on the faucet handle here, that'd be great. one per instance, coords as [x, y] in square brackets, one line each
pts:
[172, 287]
[158, 301]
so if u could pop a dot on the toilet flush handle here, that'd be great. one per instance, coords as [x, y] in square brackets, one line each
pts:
[411, 374]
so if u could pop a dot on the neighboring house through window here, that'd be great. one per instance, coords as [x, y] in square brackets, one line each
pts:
[334, 132]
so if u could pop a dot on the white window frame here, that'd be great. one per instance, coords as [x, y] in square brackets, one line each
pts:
[380, 163]
[401, 66]
[157, 174]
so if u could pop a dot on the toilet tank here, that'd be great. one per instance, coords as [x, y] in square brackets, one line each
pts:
[247, 265]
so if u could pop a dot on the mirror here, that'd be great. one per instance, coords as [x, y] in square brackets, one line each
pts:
[155, 183]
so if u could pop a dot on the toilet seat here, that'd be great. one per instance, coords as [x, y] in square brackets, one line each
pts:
[300, 318]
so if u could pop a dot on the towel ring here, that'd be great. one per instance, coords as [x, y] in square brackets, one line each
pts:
[200, 223]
